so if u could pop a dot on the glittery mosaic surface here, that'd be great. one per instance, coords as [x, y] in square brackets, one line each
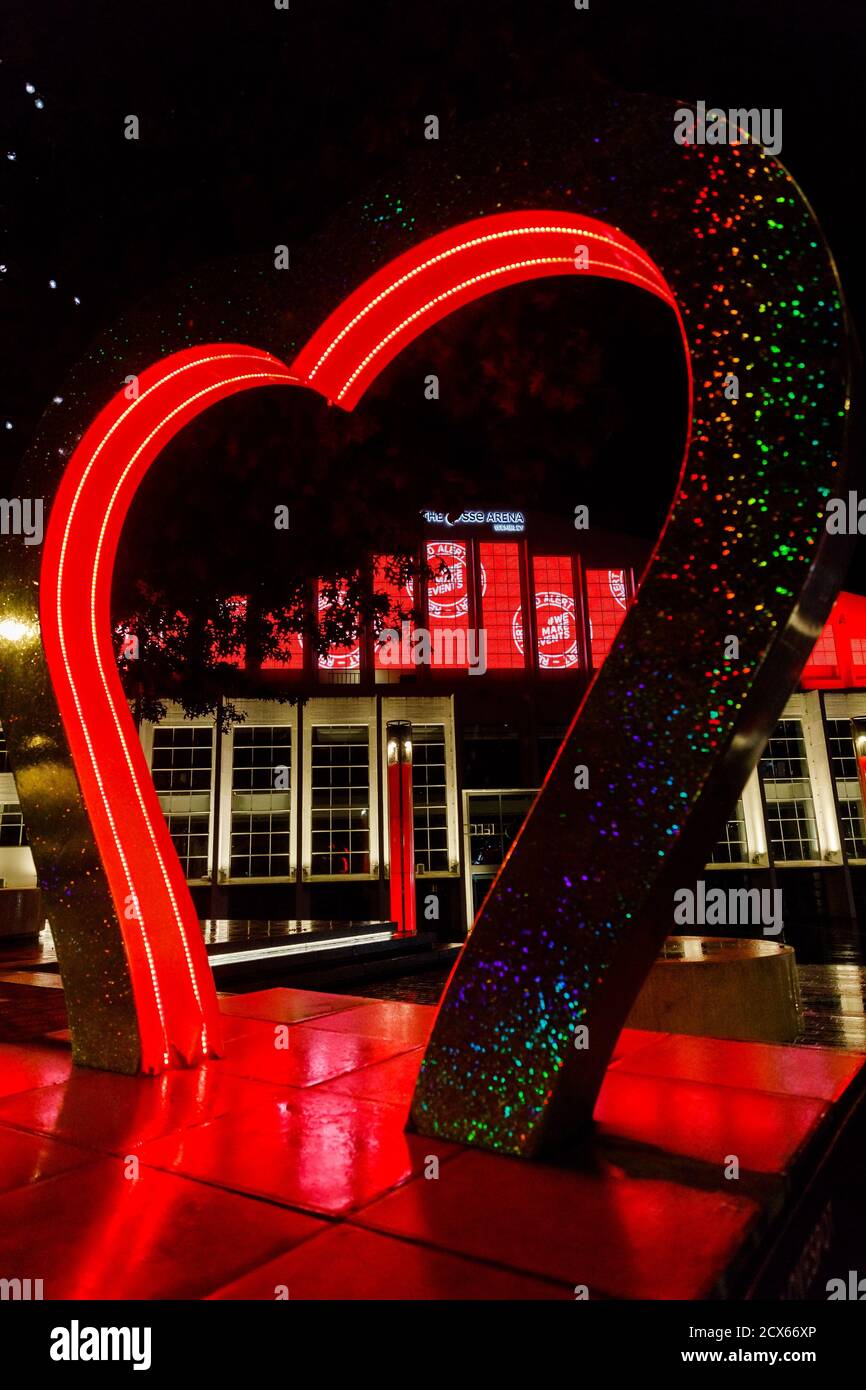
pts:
[672, 726]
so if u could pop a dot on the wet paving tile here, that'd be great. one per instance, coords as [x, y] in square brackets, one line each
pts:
[619, 1236]
[26, 1065]
[300, 1055]
[29, 1158]
[116, 1114]
[349, 1263]
[314, 1149]
[763, 1067]
[288, 1005]
[403, 1023]
[764, 1132]
[96, 1232]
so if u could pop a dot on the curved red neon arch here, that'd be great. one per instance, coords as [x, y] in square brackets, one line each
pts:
[425, 284]
[173, 987]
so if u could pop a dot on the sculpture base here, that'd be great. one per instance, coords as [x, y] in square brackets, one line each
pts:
[719, 987]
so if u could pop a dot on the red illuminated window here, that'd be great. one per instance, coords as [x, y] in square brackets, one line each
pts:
[448, 603]
[393, 652]
[237, 615]
[555, 617]
[858, 654]
[607, 599]
[823, 653]
[338, 657]
[290, 647]
[501, 606]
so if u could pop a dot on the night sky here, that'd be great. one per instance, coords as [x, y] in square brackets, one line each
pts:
[258, 124]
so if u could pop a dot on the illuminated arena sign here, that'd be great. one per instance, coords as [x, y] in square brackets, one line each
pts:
[497, 521]
[670, 727]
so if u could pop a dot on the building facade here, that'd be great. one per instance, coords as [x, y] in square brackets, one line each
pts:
[287, 814]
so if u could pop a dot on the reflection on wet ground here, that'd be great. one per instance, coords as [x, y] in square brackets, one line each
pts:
[833, 993]
[833, 999]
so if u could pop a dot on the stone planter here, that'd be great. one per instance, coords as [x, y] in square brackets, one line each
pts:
[719, 987]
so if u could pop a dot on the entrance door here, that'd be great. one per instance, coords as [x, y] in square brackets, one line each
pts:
[491, 820]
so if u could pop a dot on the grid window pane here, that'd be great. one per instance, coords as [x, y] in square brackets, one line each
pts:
[858, 656]
[182, 764]
[731, 847]
[494, 820]
[788, 792]
[607, 602]
[339, 657]
[555, 617]
[843, 761]
[4, 755]
[429, 799]
[340, 812]
[824, 652]
[501, 606]
[399, 598]
[12, 832]
[448, 602]
[261, 801]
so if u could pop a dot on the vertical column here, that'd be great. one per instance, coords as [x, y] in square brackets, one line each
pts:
[837, 810]
[383, 882]
[401, 827]
[823, 790]
[858, 732]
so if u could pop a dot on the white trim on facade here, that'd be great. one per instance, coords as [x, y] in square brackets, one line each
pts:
[324, 713]
[435, 709]
[175, 718]
[269, 714]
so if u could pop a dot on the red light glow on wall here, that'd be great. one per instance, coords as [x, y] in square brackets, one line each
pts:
[607, 602]
[838, 659]
[501, 607]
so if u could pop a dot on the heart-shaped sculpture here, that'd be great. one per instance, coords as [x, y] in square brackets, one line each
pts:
[669, 729]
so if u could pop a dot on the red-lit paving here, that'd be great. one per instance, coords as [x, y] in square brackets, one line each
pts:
[286, 1164]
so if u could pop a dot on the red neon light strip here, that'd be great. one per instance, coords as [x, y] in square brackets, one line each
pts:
[428, 282]
[173, 987]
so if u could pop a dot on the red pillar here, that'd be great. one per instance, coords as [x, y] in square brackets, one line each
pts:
[401, 827]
